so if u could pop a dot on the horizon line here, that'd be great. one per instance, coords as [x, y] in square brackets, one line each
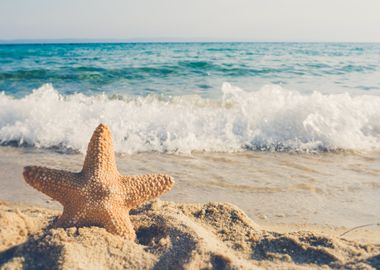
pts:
[160, 40]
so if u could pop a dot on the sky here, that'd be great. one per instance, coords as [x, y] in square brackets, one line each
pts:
[207, 20]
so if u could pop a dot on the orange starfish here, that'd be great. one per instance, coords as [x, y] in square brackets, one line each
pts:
[98, 195]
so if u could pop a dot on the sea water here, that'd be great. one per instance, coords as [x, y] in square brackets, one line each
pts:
[290, 132]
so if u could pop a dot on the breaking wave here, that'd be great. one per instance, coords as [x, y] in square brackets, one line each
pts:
[271, 119]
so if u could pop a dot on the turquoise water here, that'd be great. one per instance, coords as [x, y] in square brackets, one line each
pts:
[186, 97]
[189, 68]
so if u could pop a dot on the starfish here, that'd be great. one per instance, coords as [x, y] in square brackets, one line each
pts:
[98, 195]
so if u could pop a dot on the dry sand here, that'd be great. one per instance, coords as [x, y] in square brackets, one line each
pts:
[179, 236]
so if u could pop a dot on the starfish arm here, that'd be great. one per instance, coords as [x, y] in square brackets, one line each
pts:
[120, 224]
[138, 189]
[68, 217]
[100, 156]
[57, 184]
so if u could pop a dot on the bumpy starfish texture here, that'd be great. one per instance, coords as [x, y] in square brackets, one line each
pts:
[98, 195]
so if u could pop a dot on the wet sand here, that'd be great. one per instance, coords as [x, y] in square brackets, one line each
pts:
[337, 189]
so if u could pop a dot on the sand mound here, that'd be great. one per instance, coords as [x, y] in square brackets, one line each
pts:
[171, 236]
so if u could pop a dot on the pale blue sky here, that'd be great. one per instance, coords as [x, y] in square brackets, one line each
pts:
[250, 20]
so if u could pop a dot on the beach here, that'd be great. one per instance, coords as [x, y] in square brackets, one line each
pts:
[181, 234]
[274, 149]
[178, 236]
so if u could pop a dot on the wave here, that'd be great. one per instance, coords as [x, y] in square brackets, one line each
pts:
[182, 68]
[270, 119]
[88, 73]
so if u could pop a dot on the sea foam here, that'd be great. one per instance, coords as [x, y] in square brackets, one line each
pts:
[272, 118]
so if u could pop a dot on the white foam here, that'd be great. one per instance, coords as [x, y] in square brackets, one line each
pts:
[272, 118]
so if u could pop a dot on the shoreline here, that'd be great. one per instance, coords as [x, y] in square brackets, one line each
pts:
[211, 235]
[333, 189]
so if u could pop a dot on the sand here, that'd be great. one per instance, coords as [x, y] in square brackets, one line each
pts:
[179, 236]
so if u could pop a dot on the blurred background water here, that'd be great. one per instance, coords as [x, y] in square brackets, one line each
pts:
[189, 68]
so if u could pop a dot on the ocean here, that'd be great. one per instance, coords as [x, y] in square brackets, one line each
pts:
[289, 132]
